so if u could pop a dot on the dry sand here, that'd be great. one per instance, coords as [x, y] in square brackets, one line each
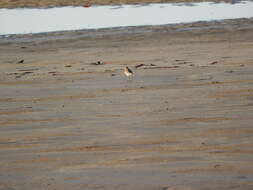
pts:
[183, 123]
[87, 3]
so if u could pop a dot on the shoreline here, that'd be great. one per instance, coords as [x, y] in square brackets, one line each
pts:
[200, 26]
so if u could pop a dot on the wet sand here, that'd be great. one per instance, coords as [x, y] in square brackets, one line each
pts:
[183, 123]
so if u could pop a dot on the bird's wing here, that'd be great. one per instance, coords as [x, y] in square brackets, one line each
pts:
[130, 71]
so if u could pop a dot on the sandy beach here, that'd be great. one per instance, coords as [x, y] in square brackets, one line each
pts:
[87, 3]
[184, 122]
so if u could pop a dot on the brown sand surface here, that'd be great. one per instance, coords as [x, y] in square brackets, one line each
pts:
[86, 3]
[184, 122]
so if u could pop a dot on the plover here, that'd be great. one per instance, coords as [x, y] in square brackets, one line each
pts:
[128, 72]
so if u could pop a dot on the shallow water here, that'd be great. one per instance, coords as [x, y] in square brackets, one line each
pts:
[22, 21]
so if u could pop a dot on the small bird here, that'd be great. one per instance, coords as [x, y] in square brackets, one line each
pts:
[21, 61]
[128, 72]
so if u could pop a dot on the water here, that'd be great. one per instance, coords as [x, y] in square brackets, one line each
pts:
[22, 21]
